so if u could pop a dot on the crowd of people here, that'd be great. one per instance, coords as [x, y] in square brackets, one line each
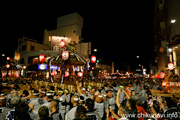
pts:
[123, 99]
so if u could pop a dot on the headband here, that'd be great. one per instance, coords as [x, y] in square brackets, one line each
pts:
[100, 96]
[75, 99]
[121, 86]
[13, 92]
[60, 91]
[89, 87]
[35, 94]
[49, 94]
[104, 95]
[51, 91]
[66, 91]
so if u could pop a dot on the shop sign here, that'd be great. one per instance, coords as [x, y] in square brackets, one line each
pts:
[44, 67]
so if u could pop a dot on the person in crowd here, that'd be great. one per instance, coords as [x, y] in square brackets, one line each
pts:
[8, 111]
[122, 113]
[134, 96]
[82, 90]
[71, 114]
[122, 95]
[3, 109]
[129, 88]
[105, 103]
[131, 104]
[81, 100]
[99, 105]
[136, 87]
[91, 92]
[42, 93]
[111, 99]
[74, 91]
[62, 103]
[104, 99]
[35, 104]
[172, 109]
[115, 87]
[25, 96]
[89, 105]
[68, 99]
[21, 112]
[80, 113]
[54, 106]
[49, 98]
[13, 93]
[43, 113]
[141, 111]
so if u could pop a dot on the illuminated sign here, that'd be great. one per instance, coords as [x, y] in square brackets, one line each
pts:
[44, 67]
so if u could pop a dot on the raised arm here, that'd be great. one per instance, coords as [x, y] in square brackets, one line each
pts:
[160, 103]
[78, 87]
[128, 97]
[117, 98]
[175, 100]
[114, 114]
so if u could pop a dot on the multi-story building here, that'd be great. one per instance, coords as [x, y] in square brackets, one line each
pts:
[167, 33]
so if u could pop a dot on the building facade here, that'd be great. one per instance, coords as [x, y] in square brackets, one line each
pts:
[167, 33]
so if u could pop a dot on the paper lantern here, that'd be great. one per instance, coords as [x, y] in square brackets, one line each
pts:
[164, 83]
[93, 59]
[65, 55]
[54, 73]
[3, 74]
[162, 75]
[41, 58]
[24, 67]
[8, 58]
[170, 66]
[7, 66]
[80, 74]
[62, 44]
[66, 73]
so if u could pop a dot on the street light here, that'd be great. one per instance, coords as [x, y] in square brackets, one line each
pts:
[170, 49]
[137, 56]
[173, 21]
[95, 50]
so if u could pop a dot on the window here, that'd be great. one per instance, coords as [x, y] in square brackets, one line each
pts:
[23, 48]
[32, 48]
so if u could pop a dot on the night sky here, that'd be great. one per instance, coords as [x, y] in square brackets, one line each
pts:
[120, 31]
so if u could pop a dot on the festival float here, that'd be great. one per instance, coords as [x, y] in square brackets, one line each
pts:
[69, 65]
[171, 81]
[10, 70]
